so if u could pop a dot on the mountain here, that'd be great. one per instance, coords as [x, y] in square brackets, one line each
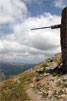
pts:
[12, 69]
[40, 83]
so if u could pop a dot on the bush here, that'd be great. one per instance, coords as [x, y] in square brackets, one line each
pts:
[54, 74]
[49, 60]
[38, 78]
[45, 65]
[45, 95]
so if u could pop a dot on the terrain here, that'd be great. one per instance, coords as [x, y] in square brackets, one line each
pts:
[39, 83]
[11, 69]
[2, 77]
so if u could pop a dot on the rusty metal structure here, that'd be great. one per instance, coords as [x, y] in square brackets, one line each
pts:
[63, 35]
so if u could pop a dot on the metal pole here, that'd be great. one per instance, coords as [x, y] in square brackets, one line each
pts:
[40, 28]
[52, 27]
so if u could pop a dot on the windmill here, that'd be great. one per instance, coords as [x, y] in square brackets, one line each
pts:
[63, 35]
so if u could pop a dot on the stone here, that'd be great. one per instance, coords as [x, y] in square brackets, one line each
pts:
[32, 85]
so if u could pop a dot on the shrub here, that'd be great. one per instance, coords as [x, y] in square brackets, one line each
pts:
[49, 60]
[45, 65]
[54, 74]
[65, 85]
[38, 78]
[45, 95]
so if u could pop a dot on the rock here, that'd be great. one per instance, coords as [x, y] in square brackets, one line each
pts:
[32, 85]
[64, 96]
[18, 81]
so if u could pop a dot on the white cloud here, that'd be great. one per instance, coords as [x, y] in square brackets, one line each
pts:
[41, 39]
[27, 45]
[10, 49]
[12, 10]
[24, 44]
[60, 3]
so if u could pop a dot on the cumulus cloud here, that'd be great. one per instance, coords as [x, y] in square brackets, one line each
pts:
[10, 49]
[12, 10]
[41, 39]
[60, 3]
[24, 44]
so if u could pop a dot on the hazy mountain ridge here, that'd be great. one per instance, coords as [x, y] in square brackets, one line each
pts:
[11, 69]
[36, 84]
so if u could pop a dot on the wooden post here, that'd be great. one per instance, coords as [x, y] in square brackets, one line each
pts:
[64, 39]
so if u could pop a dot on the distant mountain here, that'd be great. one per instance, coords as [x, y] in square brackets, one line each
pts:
[11, 69]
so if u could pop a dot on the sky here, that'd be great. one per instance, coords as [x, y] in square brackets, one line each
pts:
[20, 44]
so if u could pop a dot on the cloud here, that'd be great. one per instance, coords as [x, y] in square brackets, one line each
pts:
[46, 39]
[23, 44]
[26, 45]
[11, 11]
[12, 50]
[60, 3]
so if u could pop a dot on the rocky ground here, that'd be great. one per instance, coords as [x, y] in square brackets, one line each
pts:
[40, 83]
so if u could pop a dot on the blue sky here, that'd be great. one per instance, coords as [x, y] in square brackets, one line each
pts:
[17, 42]
[36, 9]
[44, 6]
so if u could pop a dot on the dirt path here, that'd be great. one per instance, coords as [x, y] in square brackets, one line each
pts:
[34, 96]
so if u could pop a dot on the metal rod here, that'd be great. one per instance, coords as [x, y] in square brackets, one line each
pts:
[52, 27]
[41, 28]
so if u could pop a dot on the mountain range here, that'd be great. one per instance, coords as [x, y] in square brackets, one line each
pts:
[8, 69]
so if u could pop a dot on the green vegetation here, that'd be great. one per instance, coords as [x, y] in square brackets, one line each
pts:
[39, 77]
[59, 84]
[14, 90]
[45, 65]
[45, 95]
[49, 60]
[54, 74]
[64, 80]
[35, 83]
[65, 85]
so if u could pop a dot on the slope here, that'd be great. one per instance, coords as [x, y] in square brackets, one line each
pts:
[36, 84]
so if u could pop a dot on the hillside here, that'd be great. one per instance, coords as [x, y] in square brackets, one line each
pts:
[36, 84]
